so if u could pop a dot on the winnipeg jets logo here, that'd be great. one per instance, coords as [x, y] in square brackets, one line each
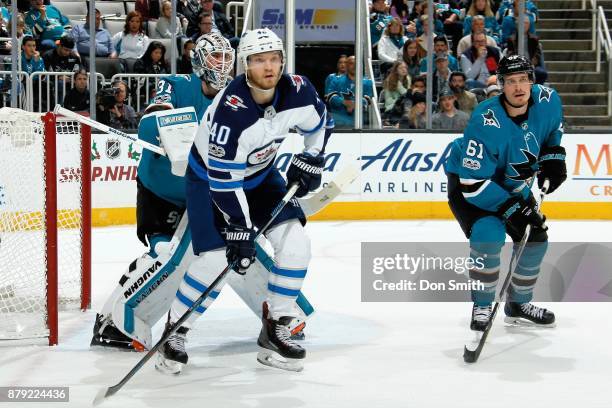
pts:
[490, 119]
[524, 170]
[545, 93]
[234, 102]
[297, 82]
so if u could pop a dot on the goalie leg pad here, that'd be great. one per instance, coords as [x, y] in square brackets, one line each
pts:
[151, 287]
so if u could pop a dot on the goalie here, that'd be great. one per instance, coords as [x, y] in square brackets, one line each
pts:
[146, 290]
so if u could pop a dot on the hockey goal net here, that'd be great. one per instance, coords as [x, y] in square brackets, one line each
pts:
[45, 252]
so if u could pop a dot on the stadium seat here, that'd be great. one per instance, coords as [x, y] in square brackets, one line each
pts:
[108, 8]
[72, 8]
[114, 25]
[151, 26]
[167, 43]
[106, 66]
[130, 6]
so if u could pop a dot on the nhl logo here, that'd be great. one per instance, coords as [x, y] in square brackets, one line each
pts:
[269, 113]
[113, 148]
[524, 126]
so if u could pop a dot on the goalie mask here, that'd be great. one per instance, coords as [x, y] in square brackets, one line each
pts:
[213, 60]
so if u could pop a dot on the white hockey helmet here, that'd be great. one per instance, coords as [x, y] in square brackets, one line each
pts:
[258, 41]
[212, 59]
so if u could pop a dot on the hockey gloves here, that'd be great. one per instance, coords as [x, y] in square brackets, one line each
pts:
[306, 171]
[552, 167]
[240, 247]
[518, 213]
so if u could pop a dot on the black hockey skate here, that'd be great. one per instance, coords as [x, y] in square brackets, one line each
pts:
[105, 334]
[172, 356]
[526, 314]
[277, 348]
[480, 317]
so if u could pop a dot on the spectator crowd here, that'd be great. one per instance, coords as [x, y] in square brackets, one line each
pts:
[470, 37]
[51, 41]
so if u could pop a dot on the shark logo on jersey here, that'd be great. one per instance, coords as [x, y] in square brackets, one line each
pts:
[490, 119]
[234, 102]
[524, 170]
[297, 82]
[545, 94]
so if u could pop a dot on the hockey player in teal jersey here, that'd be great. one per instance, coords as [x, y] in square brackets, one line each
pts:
[510, 140]
[160, 200]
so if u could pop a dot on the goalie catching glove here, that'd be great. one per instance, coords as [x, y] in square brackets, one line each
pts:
[240, 247]
[306, 171]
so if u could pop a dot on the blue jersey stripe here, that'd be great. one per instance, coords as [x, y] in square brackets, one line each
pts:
[187, 302]
[288, 273]
[316, 129]
[198, 286]
[283, 291]
[225, 185]
[225, 165]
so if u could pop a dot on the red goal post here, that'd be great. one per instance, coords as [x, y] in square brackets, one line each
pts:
[45, 222]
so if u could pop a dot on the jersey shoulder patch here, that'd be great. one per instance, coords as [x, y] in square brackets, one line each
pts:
[234, 107]
[544, 93]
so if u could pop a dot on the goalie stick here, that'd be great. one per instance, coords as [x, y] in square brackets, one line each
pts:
[107, 129]
[110, 391]
[471, 356]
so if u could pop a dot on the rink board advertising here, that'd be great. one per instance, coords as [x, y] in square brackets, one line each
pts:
[402, 176]
[440, 272]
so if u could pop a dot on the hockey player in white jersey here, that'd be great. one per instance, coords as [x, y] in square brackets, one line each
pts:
[233, 187]
[161, 202]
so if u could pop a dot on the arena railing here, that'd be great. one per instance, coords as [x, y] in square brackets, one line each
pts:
[5, 88]
[237, 6]
[374, 111]
[44, 90]
[602, 39]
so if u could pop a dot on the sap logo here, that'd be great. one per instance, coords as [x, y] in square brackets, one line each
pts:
[275, 16]
[283, 161]
[141, 280]
[397, 156]
[603, 160]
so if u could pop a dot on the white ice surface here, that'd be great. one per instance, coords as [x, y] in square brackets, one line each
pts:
[359, 354]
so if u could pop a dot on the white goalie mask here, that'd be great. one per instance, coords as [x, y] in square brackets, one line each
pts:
[255, 42]
[212, 59]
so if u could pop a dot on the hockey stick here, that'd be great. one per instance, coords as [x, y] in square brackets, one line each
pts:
[107, 129]
[110, 391]
[315, 203]
[471, 356]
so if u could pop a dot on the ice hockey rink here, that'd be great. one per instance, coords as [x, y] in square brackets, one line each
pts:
[359, 354]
